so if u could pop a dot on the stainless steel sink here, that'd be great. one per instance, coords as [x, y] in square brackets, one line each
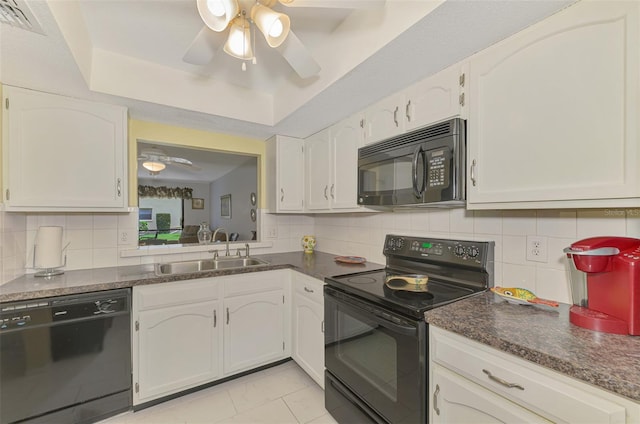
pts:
[202, 265]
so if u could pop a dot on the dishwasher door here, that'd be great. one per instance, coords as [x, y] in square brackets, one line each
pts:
[65, 359]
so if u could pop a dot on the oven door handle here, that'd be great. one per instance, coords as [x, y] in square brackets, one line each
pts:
[414, 168]
[405, 330]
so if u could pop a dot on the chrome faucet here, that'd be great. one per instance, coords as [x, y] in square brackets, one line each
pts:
[226, 235]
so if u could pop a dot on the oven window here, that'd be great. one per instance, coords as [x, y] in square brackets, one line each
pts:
[369, 352]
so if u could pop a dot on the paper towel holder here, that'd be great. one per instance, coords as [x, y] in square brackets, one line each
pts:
[49, 271]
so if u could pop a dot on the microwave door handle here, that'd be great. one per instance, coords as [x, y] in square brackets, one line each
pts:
[416, 191]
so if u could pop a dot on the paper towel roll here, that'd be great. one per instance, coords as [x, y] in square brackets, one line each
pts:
[48, 252]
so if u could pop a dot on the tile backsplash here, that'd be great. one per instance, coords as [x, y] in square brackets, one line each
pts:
[96, 240]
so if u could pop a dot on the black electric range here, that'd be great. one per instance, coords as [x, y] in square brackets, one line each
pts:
[376, 338]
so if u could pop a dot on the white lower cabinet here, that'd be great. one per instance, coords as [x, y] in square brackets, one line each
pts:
[458, 400]
[178, 341]
[471, 382]
[254, 330]
[178, 348]
[308, 325]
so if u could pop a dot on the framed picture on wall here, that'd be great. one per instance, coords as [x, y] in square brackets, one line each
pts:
[197, 203]
[225, 206]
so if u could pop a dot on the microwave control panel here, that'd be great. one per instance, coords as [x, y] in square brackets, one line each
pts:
[438, 168]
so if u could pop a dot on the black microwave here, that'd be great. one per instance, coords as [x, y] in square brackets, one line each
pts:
[425, 167]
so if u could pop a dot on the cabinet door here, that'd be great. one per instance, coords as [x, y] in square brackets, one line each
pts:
[457, 400]
[63, 154]
[308, 336]
[385, 119]
[436, 98]
[285, 174]
[554, 112]
[178, 348]
[254, 330]
[346, 138]
[318, 170]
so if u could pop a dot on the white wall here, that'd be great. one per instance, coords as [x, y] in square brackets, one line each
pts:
[240, 183]
[197, 216]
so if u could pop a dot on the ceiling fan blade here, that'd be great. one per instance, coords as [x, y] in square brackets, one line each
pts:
[204, 47]
[177, 161]
[186, 166]
[335, 4]
[298, 56]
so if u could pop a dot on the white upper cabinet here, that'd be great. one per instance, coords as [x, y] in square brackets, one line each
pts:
[346, 139]
[63, 154]
[439, 97]
[285, 174]
[318, 169]
[331, 165]
[434, 99]
[553, 119]
[385, 118]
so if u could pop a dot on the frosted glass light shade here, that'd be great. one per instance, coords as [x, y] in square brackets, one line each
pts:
[275, 26]
[217, 14]
[239, 42]
[154, 166]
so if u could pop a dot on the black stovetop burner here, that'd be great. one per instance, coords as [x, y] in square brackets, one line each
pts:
[371, 285]
[456, 269]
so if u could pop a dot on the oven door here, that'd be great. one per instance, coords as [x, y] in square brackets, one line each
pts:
[376, 361]
[391, 177]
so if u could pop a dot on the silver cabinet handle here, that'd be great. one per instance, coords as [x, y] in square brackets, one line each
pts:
[325, 192]
[461, 80]
[501, 381]
[119, 187]
[333, 186]
[407, 111]
[281, 195]
[395, 116]
[227, 316]
[308, 290]
[461, 99]
[215, 319]
[473, 173]
[322, 326]
[435, 400]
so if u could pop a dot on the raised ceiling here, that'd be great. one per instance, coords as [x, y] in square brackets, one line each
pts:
[130, 52]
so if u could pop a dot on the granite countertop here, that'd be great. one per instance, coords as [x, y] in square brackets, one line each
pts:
[318, 265]
[544, 336]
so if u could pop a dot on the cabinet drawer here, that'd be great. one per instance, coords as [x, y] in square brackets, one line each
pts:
[176, 293]
[555, 397]
[255, 282]
[309, 287]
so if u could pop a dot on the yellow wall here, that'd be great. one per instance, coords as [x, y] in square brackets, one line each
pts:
[168, 134]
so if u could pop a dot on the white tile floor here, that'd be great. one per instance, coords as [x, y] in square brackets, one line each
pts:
[278, 395]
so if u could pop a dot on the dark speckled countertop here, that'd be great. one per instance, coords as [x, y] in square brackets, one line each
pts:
[545, 336]
[318, 265]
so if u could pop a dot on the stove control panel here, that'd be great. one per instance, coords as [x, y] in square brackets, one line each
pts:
[471, 253]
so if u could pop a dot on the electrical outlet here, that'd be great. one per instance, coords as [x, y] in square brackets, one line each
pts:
[537, 248]
[125, 237]
[272, 232]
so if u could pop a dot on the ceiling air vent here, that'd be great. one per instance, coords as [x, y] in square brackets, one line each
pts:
[16, 13]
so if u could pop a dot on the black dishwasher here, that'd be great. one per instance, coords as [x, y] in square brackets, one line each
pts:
[65, 359]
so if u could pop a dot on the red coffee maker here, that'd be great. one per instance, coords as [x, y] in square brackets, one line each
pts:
[605, 284]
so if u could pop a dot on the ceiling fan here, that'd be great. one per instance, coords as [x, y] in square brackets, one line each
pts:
[155, 160]
[238, 16]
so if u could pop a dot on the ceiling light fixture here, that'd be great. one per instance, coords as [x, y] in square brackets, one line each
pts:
[152, 166]
[222, 14]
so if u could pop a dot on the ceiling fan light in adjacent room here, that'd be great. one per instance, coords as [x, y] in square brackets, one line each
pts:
[275, 26]
[239, 42]
[153, 166]
[217, 14]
